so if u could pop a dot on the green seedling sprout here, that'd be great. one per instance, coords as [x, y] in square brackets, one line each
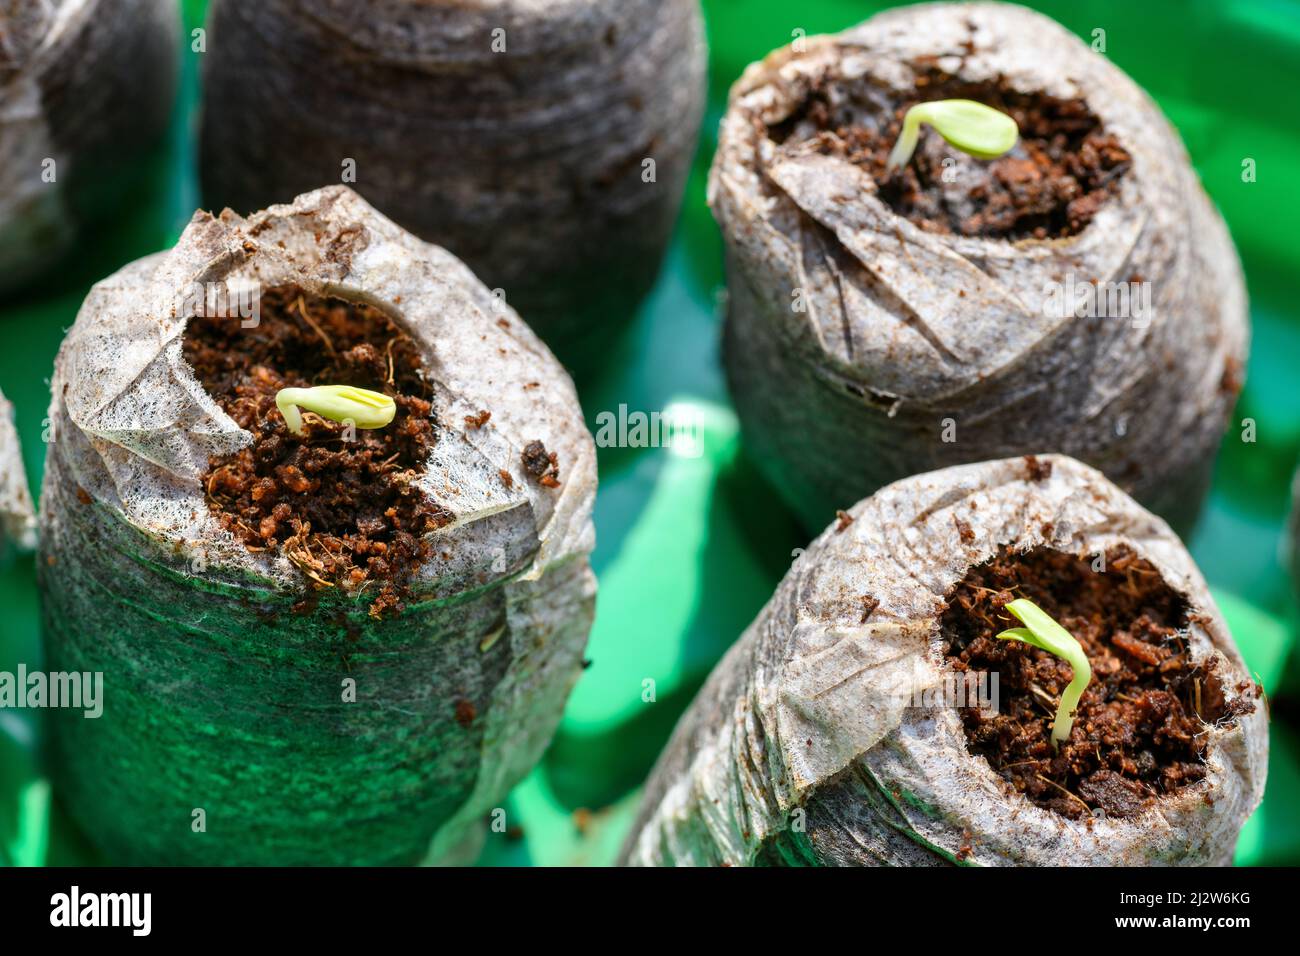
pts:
[338, 403]
[974, 128]
[1042, 631]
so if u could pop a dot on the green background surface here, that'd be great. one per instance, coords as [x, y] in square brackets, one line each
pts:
[690, 548]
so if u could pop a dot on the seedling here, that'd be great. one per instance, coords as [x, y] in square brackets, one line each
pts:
[974, 128]
[1042, 631]
[338, 403]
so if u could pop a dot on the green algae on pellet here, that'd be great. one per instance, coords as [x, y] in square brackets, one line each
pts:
[256, 711]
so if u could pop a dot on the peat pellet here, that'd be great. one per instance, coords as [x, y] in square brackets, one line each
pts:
[336, 647]
[544, 143]
[1079, 294]
[86, 89]
[870, 715]
[17, 519]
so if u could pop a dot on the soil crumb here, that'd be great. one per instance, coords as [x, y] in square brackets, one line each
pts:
[542, 466]
[1049, 186]
[340, 503]
[1037, 470]
[1140, 730]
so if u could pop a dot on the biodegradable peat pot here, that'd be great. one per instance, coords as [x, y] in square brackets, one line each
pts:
[813, 742]
[515, 133]
[175, 559]
[1078, 295]
[86, 88]
[17, 520]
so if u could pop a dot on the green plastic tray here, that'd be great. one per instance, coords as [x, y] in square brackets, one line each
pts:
[690, 548]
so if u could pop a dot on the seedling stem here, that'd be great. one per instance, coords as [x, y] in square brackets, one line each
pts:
[1042, 631]
[972, 127]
